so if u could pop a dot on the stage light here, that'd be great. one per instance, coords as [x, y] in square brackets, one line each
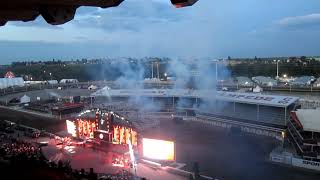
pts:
[101, 136]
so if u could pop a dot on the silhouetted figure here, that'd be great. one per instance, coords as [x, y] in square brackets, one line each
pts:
[196, 171]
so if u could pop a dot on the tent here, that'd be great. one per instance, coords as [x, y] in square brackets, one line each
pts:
[257, 89]
[25, 99]
[92, 87]
[317, 83]
[52, 82]
[10, 82]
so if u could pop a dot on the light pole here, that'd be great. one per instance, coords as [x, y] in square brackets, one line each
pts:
[158, 70]
[277, 77]
[216, 70]
[152, 70]
[216, 63]
[51, 80]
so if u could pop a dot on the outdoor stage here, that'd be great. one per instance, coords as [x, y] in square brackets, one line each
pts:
[101, 161]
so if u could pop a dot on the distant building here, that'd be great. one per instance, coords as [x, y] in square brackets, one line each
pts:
[244, 81]
[303, 81]
[265, 81]
[68, 81]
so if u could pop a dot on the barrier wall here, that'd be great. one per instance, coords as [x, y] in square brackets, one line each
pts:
[306, 164]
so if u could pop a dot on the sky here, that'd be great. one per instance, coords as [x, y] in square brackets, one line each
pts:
[141, 28]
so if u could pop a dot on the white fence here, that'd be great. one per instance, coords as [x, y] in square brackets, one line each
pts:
[288, 158]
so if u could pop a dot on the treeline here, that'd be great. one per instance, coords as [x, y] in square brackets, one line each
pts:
[83, 72]
[269, 68]
[134, 68]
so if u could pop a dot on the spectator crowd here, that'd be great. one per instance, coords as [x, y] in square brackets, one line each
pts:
[24, 160]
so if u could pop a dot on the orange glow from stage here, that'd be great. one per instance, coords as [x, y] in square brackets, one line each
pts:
[158, 149]
[121, 134]
[86, 128]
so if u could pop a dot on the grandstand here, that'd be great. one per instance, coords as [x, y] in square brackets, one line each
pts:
[264, 110]
[249, 113]
[304, 133]
[253, 113]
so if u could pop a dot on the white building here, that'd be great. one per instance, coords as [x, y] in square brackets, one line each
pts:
[265, 81]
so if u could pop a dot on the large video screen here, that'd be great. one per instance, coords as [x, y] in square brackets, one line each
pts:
[71, 128]
[158, 149]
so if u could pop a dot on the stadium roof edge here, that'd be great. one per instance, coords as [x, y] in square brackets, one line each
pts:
[246, 98]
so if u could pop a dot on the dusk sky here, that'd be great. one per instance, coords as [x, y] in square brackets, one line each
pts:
[139, 28]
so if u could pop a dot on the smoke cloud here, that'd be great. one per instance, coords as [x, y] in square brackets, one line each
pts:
[198, 74]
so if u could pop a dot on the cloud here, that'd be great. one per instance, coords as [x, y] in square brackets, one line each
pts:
[140, 28]
[309, 21]
[39, 22]
[129, 16]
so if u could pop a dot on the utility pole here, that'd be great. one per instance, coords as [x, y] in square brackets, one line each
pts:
[158, 70]
[277, 61]
[152, 70]
[217, 71]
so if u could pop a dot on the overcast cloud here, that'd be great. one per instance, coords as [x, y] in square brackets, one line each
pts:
[139, 28]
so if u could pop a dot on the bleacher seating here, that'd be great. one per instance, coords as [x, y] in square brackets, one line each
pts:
[265, 115]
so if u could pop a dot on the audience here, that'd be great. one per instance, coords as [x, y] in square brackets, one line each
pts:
[21, 159]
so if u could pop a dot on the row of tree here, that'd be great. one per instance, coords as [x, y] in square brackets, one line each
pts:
[112, 71]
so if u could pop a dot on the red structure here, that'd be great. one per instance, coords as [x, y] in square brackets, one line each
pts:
[9, 74]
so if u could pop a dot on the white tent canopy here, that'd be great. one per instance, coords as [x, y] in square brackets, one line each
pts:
[257, 89]
[264, 81]
[52, 82]
[92, 87]
[25, 99]
[10, 82]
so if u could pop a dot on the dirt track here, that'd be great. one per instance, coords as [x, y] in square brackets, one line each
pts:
[224, 155]
[32, 120]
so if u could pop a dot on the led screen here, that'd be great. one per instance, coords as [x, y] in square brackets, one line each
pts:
[158, 149]
[71, 128]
